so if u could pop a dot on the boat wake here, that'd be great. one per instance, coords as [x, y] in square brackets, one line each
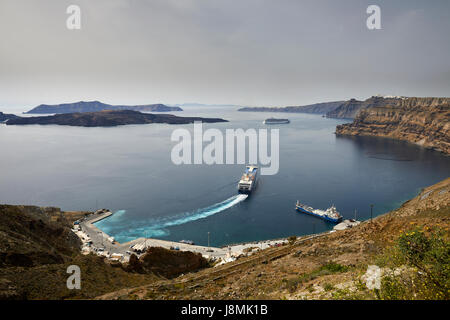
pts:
[158, 227]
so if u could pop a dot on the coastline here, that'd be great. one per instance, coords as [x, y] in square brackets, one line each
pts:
[224, 254]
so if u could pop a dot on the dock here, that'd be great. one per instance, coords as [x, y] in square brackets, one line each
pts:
[102, 245]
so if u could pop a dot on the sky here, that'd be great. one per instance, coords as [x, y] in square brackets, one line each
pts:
[242, 52]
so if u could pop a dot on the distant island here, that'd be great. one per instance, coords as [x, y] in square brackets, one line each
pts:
[317, 108]
[350, 109]
[5, 117]
[108, 118]
[95, 106]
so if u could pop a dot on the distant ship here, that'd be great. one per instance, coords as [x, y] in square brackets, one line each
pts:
[331, 214]
[248, 180]
[276, 121]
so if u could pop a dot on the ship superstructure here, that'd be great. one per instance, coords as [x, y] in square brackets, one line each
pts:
[248, 180]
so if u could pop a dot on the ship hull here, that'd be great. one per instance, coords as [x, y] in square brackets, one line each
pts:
[299, 209]
[276, 122]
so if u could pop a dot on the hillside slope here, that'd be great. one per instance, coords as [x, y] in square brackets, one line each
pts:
[328, 266]
[423, 121]
[37, 246]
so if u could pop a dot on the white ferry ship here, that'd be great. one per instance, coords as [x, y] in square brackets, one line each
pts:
[276, 121]
[248, 180]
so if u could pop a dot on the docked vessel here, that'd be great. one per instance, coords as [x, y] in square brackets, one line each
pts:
[248, 180]
[331, 214]
[276, 121]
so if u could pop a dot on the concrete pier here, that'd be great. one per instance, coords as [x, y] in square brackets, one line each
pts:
[100, 240]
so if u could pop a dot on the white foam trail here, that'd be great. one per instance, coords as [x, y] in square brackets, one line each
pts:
[205, 212]
[156, 228]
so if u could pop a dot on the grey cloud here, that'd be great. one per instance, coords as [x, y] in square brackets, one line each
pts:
[251, 52]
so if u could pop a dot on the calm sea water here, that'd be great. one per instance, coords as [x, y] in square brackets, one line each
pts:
[128, 170]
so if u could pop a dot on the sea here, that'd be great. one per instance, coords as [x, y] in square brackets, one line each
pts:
[129, 170]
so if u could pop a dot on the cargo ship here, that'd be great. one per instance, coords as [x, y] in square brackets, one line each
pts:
[248, 180]
[276, 121]
[331, 214]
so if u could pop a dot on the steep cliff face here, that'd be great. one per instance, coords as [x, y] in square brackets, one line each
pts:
[317, 108]
[423, 121]
[349, 109]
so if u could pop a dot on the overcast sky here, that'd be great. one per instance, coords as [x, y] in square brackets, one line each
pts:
[247, 52]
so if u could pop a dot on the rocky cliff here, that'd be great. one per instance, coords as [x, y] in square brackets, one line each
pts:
[317, 108]
[423, 121]
[95, 106]
[349, 109]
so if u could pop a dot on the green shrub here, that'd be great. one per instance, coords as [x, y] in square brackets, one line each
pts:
[292, 239]
[328, 287]
[427, 255]
[391, 289]
[334, 267]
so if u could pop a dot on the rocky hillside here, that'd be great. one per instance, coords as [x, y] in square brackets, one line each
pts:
[166, 263]
[37, 245]
[329, 266]
[423, 121]
[95, 106]
[108, 118]
[317, 108]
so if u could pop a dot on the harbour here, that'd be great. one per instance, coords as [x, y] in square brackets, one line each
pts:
[97, 242]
